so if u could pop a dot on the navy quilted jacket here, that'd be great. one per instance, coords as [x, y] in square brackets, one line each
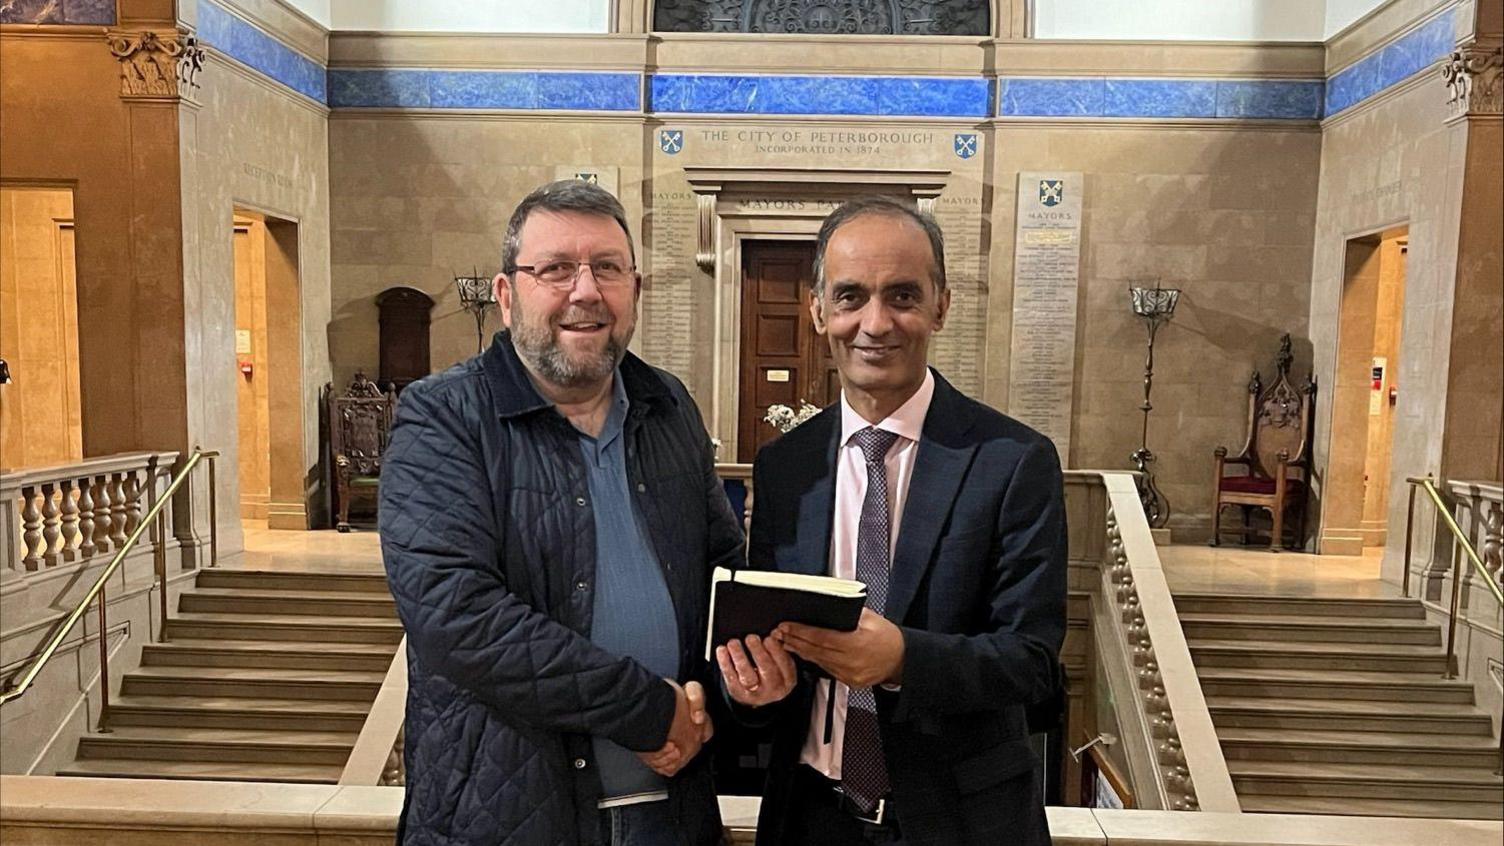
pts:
[489, 543]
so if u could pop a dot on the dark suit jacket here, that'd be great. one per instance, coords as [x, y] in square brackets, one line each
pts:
[978, 586]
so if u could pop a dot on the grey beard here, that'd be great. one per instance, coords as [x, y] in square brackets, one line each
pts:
[537, 347]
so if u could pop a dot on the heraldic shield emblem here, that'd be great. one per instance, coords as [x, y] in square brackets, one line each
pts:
[1051, 191]
[966, 144]
[671, 141]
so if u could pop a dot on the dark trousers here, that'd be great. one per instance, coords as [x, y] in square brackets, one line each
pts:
[816, 817]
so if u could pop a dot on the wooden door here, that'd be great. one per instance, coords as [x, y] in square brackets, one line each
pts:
[783, 360]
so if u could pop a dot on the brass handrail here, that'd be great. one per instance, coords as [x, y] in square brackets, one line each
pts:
[153, 515]
[1428, 484]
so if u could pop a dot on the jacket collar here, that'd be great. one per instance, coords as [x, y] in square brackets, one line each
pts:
[514, 393]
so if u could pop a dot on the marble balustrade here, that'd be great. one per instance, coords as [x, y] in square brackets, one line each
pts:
[78, 513]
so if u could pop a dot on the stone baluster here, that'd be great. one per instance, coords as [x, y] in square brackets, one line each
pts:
[132, 487]
[70, 521]
[394, 773]
[52, 522]
[86, 548]
[102, 521]
[1492, 548]
[31, 529]
[118, 510]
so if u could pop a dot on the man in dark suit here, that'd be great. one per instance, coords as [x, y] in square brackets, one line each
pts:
[953, 514]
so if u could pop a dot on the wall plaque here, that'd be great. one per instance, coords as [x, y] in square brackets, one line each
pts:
[1046, 273]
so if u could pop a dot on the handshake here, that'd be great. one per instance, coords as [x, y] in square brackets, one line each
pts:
[690, 730]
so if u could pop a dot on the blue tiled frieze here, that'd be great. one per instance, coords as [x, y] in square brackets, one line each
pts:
[435, 89]
[1404, 57]
[1290, 99]
[251, 47]
[1090, 97]
[1026, 97]
[820, 95]
[80, 12]
[1168, 98]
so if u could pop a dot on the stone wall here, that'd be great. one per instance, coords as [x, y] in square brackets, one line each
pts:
[260, 146]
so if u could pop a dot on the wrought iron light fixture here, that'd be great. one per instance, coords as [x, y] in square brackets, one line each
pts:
[477, 296]
[1155, 306]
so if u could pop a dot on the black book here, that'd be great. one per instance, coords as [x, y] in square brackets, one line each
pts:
[755, 601]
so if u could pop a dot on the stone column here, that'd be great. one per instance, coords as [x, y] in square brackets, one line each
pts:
[1473, 428]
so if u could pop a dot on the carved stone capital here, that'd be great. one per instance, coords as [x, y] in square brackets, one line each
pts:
[156, 65]
[1472, 77]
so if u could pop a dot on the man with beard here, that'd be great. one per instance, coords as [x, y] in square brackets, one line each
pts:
[549, 516]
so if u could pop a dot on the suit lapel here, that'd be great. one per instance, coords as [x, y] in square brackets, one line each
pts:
[944, 454]
[817, 500]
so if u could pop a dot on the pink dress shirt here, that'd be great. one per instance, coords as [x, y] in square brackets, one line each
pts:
[851, 487]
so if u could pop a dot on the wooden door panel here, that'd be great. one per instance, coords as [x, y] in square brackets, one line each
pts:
[779, 335]
[779, 346]
[776, 385]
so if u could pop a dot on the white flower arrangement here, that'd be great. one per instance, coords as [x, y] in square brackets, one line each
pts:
[786, 418]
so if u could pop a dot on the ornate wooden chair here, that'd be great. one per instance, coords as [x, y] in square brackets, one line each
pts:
[360, 421]
[1276, 455]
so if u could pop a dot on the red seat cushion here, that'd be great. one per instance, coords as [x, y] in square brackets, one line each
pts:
[1255, 485]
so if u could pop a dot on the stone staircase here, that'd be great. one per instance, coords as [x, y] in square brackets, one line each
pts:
[265, 676]
[1338, 706]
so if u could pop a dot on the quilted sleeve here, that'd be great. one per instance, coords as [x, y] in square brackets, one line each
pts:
[442, 554]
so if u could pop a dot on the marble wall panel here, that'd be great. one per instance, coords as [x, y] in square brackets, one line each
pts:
[1202, 211]
[257, 145]
[1394, 161]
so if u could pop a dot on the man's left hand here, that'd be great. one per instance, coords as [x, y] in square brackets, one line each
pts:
[870, 655]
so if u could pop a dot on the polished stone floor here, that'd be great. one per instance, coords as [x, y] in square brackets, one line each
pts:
[327, 551]
[1256, 570]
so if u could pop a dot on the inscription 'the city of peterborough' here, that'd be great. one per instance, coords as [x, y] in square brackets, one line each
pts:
[819, 141]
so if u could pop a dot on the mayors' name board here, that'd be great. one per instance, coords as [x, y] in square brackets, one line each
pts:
[1046, 277]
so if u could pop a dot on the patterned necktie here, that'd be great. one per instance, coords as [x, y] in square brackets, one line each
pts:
[864, 774]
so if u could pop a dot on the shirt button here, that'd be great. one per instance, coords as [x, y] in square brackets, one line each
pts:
[579, 763]
[579, 500]
[581, 585]
[641, 488]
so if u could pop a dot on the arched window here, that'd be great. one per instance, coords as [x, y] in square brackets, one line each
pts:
[826, 17]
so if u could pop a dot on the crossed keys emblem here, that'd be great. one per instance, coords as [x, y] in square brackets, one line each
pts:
[1051, 191]
[671, 141]
[966, 144]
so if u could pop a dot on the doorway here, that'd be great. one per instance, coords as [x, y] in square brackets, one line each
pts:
[41, 416]
[1356, 507]
[269, 371]
[783, 360]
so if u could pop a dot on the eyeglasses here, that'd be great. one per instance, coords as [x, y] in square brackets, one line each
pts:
[562, 273]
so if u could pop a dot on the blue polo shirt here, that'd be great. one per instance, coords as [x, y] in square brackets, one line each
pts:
[633, 614]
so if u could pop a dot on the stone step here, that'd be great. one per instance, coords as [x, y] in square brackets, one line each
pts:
[375, 657]
[291, 580]
[324, 603]
[1302, 606]
[171, 743]
[237, 712]
[1358, 747]
[203, 770]
[1346, 715]
[284, 627]
[354, 686]
[1324, 684]
[1368, 807]
[1366, 781]
[1401, 658]
[1309, 629]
